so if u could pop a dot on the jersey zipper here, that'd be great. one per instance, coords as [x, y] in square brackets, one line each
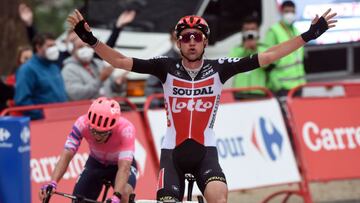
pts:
[191, 113]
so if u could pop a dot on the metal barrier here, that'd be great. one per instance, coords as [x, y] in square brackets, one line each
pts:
[326, 131]
[60, 111]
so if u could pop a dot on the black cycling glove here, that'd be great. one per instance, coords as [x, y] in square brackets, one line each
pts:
[315, 30]
[85, 35]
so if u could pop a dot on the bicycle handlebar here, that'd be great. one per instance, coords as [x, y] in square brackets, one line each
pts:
[76, 198]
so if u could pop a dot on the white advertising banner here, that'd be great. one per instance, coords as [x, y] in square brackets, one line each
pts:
[253, 145]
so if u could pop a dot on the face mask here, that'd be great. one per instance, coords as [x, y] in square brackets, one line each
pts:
[69, 47]
[85, 54]
[289, 18]
[52, 53]
[250, 34]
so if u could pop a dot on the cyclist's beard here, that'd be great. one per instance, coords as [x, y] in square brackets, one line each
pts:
[193, 60]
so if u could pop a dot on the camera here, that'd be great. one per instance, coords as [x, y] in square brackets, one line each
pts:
[250, 34]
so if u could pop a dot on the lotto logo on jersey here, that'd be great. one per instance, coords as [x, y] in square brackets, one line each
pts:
[200, 105]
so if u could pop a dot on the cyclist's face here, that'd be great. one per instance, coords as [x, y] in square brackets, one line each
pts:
[100, 137]
[192, 43]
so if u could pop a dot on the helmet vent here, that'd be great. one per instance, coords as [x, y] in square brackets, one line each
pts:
[99, 121]
[106, 121]
[89, 115]
[112, 105]
[112, 122]
[93, 119]
[100, 101]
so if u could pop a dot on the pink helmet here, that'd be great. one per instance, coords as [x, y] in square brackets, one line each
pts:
[103, 114]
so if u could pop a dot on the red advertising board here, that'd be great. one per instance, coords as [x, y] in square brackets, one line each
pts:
[47, 142]
[327, 131]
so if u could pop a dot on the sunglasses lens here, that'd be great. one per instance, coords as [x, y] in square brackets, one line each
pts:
[186, 38]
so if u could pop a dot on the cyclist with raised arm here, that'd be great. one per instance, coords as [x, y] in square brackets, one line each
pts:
[192, 87]
[111, 140]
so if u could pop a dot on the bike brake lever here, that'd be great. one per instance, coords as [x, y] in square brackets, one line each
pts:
[48, 194]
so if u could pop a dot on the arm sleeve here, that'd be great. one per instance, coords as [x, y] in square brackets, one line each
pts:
[233, 66]
[31, 32]
[127, 148]
[114, 36]
[156, 67]
[111, 42]
[73, 140]
[75, 88]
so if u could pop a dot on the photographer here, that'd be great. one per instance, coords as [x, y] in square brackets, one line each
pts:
[250, 45]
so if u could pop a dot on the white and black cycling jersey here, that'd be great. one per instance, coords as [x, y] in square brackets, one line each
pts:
[191, 103]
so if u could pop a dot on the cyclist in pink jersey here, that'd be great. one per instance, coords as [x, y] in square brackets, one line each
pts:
[192, 88]
[111, 140]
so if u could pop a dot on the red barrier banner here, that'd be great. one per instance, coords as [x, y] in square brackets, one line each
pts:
[328, 135]
[47, 142]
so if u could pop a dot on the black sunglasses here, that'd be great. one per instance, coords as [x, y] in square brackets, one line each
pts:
[186, 38]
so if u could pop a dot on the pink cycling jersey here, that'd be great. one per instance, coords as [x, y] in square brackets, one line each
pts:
[120, 146]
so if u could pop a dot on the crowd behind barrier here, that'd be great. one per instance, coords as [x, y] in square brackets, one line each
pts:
[83, 76]
[326, 140]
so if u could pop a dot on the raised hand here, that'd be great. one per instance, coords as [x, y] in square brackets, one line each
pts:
[328, 18]
[74, 18]
[81, 28]
[26, 14]
[125, 18]
[319, 25]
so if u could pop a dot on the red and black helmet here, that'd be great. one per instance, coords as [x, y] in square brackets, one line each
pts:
[192, 21]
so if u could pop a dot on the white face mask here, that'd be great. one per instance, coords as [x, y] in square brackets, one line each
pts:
[52, 53]
[69, 47]
[289, 18]
[85, 54]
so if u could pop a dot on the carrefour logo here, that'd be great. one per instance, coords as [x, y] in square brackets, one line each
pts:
[4, 134]
[25, 135]
[270, 141]
[4, 137]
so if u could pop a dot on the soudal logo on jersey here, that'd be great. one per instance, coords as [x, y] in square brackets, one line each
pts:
[195, 92]
[193, 89]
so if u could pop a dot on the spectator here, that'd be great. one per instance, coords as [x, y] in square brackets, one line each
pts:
[39, 81]
[288, 72]
[26, 15]
[24, 53]
[85, 76]
[250, 45]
